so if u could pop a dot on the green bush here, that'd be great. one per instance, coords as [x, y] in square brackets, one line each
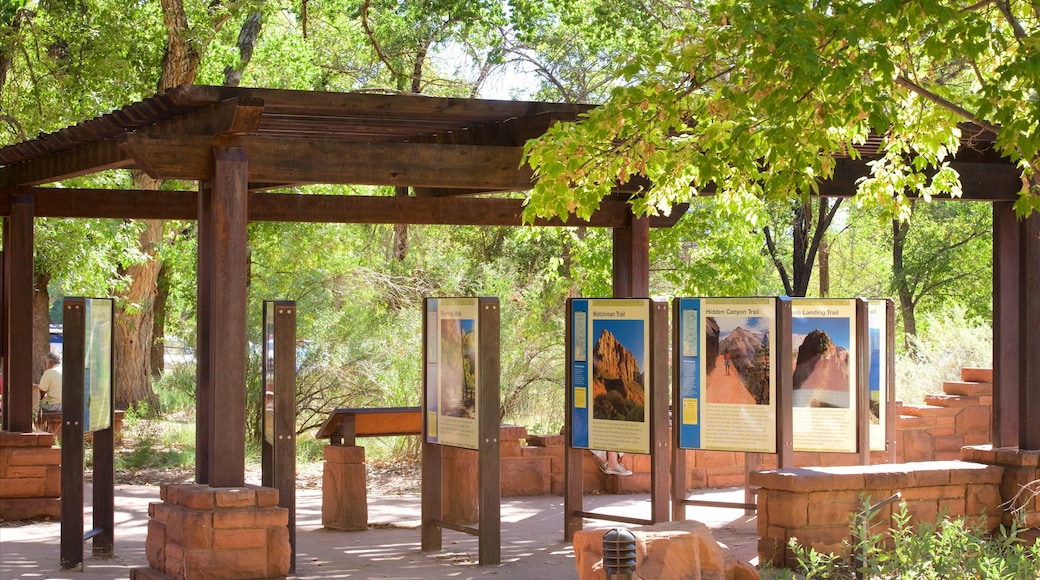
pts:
[948, 548]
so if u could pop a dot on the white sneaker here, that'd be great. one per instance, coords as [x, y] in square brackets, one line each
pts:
[619, 470]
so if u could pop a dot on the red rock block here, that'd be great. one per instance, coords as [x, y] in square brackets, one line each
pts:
[822, 538]
[951, 401]
[190, 529]
[349, 454]
[512, 433]
[832, 507]
[713, 459]
[523, 476]
[155, 545]
[174, 561]
[509, 448]
[17, 488]
[977, 438]
[786, 509]
[225, 564]
[953, 507]
[696, 478]
[967, 388]
[26, 471]
[35, 439]
[923, 511]
[982, 499]
[962, 472]
[250, 518]
[665, 551]
[773, 551]
[279, 552]
[234, 497]
[241, 539]
[265, 496]
[52, 481]
[635, 483]
[977, 375]
[986, 400]
[949, 443]
[917, 446]
[34, 456]
[190, 496]
[29, 509]
[935, 492]
[889, 477]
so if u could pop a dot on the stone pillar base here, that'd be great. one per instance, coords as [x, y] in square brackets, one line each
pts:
[1019, 487]
[344, 493]
[231, 533]
[30, 476]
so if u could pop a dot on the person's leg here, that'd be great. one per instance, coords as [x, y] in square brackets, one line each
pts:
[614, 467]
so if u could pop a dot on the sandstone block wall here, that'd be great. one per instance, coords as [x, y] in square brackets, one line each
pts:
[816, 505]
[30, 476]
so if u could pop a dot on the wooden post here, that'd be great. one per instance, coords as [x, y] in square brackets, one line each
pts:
[227, 217]
[203, 297]
[862, 380]
[632, 259]
[18, 278]
[659, 420]
[279, 452]
[890, 380]
[489, 463]
[1029, 394]
[1007, 310]
[784, 385]
[74, 323]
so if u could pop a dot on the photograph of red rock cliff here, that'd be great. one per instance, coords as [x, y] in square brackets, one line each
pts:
[736, 353]
[821, 362]
[618, 387]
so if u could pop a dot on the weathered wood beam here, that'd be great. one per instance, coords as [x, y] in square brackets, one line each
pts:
[235, 116]
[82, 160]
[288, 207]
[337, 162]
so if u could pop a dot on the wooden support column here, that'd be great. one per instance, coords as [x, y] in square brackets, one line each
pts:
[1029, 394]
[18, 290]
[1007, 312]
[632, 259]
[223, 216]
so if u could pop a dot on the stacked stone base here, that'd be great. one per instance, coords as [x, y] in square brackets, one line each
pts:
[1020, 486]
[30, 476]
[815, 505]
[230, 533]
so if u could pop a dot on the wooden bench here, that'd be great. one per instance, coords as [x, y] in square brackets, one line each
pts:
[50, 421]
[344, 425]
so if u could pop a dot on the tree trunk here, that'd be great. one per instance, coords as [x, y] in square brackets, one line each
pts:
[41, 336]
[134, 321]
[825, 268]
[902, 287]
[162, 292]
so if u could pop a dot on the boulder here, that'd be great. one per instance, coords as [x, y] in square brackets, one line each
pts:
[667, 551]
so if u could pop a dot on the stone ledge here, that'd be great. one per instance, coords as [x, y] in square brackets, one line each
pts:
[878, 476]
[34, 439]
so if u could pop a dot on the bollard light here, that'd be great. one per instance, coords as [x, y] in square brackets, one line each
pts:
[619, 554]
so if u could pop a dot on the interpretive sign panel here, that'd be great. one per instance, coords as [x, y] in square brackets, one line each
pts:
[824, 386]
[610, 376]
[452, 372]
[878, 353]
[97, 371]
[726, 377]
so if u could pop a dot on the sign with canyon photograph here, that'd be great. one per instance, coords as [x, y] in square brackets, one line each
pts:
[878, 352]
[452, 372]
[824, 395]
[725, 375]
[610, 375]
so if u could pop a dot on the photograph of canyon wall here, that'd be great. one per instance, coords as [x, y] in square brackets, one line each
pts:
[618, 387]
[458, 381]
[821, 363]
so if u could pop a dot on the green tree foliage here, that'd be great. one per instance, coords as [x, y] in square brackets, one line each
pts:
[761, 98]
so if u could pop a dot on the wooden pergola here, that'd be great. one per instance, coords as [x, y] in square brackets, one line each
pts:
[239, 144]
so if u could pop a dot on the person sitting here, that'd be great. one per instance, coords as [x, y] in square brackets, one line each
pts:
[50, 384]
